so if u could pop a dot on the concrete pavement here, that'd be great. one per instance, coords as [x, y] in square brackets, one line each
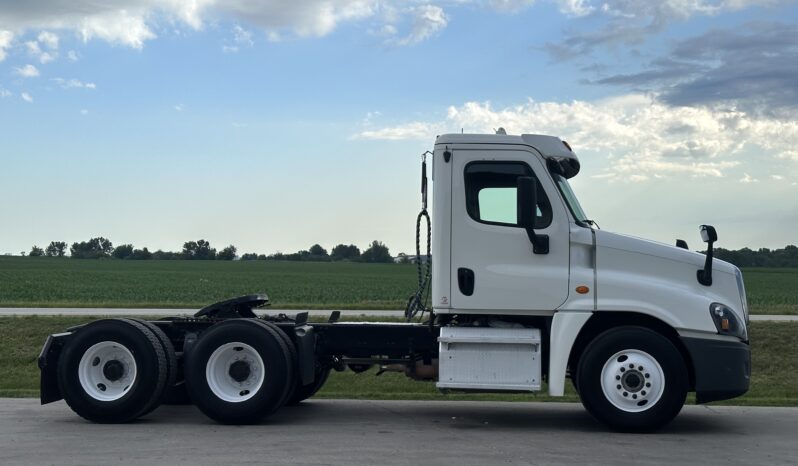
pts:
[351, 432]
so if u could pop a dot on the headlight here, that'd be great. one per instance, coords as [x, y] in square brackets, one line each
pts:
[726, 321]
[741, 289]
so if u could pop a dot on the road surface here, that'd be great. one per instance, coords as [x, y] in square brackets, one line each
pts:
[351, 432]
[47, 311]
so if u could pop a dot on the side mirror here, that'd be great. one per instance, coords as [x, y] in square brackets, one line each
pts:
[527, 201]
[708, 234]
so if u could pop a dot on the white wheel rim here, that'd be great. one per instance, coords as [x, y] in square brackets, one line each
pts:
[107, 370]
[632, 380]
[235, 372]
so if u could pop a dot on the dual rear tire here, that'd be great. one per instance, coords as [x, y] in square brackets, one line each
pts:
[116, 370]
[239, 370]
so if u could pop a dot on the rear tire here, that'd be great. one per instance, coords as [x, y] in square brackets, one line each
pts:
[239, 371]
[293, 359]
[112, 371]
[171, 363]
[632, 379]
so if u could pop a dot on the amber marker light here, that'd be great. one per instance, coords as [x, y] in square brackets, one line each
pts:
[724, 324]
[582, 289]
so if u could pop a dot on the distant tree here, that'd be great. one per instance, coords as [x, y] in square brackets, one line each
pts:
[227, 254]
[377, 252]
[140, 254]
[22, 253]
[36, 251]
[343, 252]
[199, 250]
[403, 258]
[122, 251]
[318, 254]
[262, 257]
[94, 248]
[250, 256]
[56, 249]
[167, 255]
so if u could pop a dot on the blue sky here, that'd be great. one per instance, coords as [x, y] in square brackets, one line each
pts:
[275, 125]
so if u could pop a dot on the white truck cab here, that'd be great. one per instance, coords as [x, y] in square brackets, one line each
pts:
[526, 292]
[593, 285]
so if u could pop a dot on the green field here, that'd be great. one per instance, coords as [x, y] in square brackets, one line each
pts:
[49, 282]
[774, 379]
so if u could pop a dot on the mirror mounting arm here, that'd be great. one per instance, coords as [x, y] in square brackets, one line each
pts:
[709, 235]
[527, 201]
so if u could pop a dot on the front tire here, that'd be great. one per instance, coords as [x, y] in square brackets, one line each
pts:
[239, 371]
[632, 379]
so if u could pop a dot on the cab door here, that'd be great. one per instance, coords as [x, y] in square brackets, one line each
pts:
[493, 266]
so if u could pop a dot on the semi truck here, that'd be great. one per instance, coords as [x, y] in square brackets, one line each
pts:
[519, 291]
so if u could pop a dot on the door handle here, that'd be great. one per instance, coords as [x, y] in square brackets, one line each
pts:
[465, 280]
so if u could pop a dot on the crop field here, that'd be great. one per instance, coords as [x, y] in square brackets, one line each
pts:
[52, 282]
[774, 381]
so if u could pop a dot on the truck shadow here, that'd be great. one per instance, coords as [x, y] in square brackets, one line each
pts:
[458, 416]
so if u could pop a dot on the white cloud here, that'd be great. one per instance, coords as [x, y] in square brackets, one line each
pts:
[241, 38]
[134, 22]
[639, 134]
[428, 20]
[35, 51]
[576, 7]
[49, 40]
[179, 107]
[748, 179]
[26, 97]
[414, 130]
[5, 93]
[777, 177]
[84, 112]
[74, 84]
[6, 37]
[120, 27]
[27, 71]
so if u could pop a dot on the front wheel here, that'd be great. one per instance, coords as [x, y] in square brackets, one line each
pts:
[632, 379]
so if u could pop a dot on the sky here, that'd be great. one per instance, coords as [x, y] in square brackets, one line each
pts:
[277, 124]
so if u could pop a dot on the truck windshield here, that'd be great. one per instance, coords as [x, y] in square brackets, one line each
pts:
[570, 198]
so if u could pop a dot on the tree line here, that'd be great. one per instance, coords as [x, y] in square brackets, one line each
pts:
[103, 248]
[99, 248]
[763, 257]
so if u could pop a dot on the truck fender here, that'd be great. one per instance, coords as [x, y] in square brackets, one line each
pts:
[565, 327]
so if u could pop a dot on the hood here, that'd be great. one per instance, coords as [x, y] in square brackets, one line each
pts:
[660, 250]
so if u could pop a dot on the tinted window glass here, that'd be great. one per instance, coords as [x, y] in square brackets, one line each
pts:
[491, 193]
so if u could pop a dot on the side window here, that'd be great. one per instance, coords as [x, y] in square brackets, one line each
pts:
[491, 193]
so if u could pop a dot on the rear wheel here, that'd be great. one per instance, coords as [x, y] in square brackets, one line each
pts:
[632, 379]
[112, 371]
[239, 371]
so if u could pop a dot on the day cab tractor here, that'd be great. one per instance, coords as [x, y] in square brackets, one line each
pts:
[519, 287]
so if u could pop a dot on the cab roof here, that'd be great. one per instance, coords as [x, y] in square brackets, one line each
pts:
[551, 147]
